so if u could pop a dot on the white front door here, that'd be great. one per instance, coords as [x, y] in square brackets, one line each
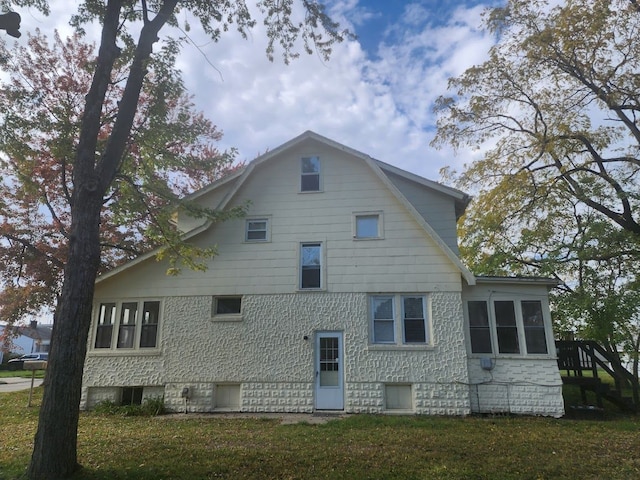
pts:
[329, 384]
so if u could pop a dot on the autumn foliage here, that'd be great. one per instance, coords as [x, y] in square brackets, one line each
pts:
[170, 152]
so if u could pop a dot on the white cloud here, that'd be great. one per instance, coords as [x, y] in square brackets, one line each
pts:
[381, 106]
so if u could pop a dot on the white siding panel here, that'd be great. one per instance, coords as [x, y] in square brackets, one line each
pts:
[406, 259]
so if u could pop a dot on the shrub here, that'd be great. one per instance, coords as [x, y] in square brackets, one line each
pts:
[151, 407]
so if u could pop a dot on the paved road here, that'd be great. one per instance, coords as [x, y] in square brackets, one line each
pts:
[14, 384]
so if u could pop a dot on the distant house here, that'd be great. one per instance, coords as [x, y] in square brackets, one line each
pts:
[341, 290]
[25, 339]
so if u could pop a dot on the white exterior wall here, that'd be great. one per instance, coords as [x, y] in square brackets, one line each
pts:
[274, 367]
[264, 357]
[405, 260]
[522, 384]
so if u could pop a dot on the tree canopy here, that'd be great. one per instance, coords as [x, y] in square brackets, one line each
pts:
[557, 190]
[170, 152]
[100, 164]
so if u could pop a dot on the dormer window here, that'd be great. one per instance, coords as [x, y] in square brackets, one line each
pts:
[310, 174]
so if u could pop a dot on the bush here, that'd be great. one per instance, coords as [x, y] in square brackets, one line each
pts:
[151, 407]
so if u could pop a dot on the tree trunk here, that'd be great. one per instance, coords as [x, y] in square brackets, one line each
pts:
[55, 450]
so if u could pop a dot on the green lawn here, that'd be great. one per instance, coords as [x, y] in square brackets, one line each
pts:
[356, 447]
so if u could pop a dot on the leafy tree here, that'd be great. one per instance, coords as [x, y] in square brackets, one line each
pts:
[557, 193]
[97, 164]
[170, 152]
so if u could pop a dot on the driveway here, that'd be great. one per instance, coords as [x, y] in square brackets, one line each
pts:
[13, 384]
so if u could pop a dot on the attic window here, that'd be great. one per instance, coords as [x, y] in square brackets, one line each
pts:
[310, 174]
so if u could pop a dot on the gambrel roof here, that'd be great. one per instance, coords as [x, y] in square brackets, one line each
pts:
[234, 181]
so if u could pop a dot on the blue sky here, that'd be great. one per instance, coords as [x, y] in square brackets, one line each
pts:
[375, 94]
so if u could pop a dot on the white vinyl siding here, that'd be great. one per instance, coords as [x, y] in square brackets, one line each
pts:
[404, 259]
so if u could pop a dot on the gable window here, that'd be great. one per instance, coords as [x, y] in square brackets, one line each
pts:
[367, 225]
[136, 325]
[310, 265]
[257, 230]
[508, 327]
[310, 174]
[399, 317]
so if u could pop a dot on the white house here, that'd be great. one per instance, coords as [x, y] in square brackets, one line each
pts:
[340, 290]
[19, 340]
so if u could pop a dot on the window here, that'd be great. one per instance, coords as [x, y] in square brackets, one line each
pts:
[310, 265]
[532, 319]
[131, 396]
[509, 327]
[383, 321]
[106, 321]
[136, 326]
[257, 230]
[479, 327]
[127, 329]
[310, 174]
[399, 316]
[227, 305]
[149, 333]
[367, 225]
[413, 320]
[506, 327]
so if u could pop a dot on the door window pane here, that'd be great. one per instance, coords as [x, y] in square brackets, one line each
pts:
[506, 327]
[479, 327]
[533, 322]
[329, 362]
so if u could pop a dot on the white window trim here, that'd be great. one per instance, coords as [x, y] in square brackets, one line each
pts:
[323, 268]
[493, 330]
[136, 349]
[354, 225]
[226, 317]
[399, 342]
[258, 218]
[320, 175]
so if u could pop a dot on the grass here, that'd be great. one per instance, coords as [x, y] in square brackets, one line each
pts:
[357, 447]
[20, 373]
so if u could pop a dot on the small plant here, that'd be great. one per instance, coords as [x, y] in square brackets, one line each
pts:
[151, 407]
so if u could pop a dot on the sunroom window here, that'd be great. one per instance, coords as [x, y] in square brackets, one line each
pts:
[136, 324]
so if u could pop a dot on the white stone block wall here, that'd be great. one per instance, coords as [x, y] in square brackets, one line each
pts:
[527, 386]
[266, 353]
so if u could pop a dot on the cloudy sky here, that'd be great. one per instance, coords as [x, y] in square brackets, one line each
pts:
[375, 94]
